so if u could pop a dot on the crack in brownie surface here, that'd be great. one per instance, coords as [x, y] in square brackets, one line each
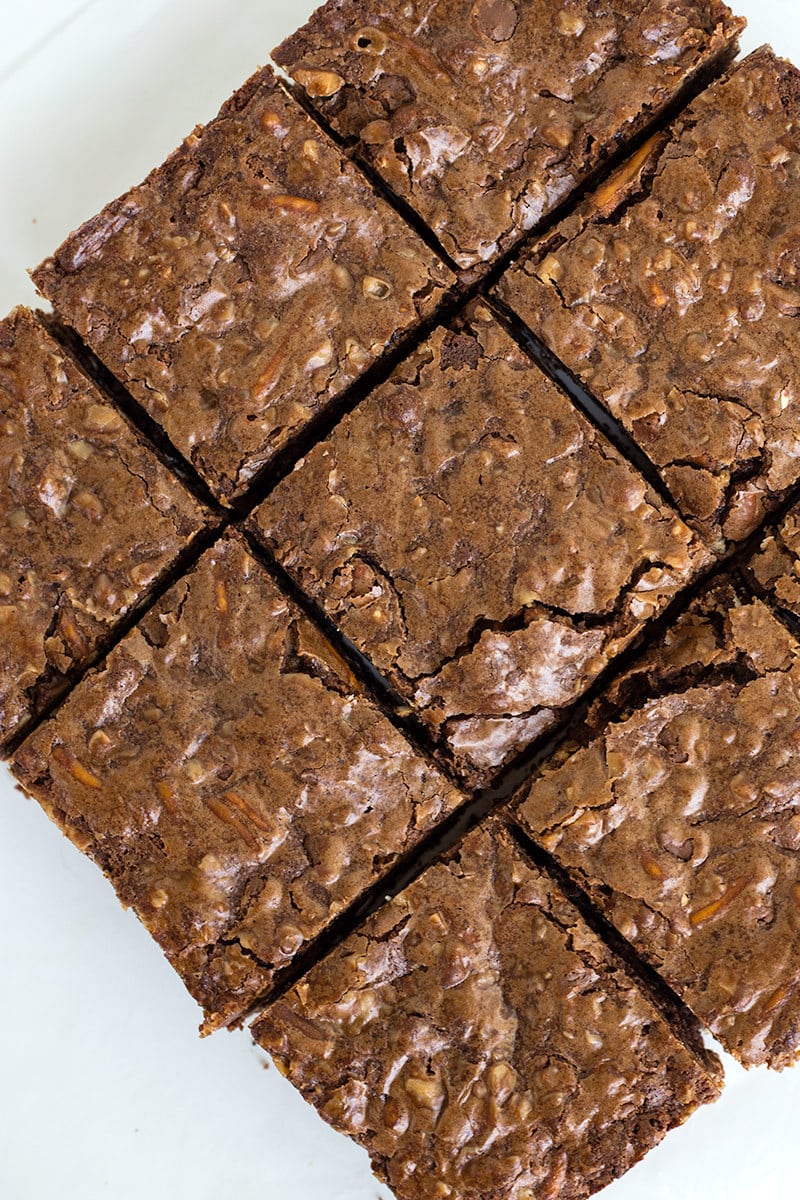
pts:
[680, 819]
[91, 520]
[225, 771]
[775, 568]
[479, 541]
[244, 285]
[484, 116]
[481, 1042]
[673, 294]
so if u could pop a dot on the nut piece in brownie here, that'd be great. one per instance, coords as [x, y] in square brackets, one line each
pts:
[775, 568]
[91, 520]
[479, 541]
[681, 818]
[484, 115]
[228, 775]
[674, 292]
[244, 285]
[482, 1043]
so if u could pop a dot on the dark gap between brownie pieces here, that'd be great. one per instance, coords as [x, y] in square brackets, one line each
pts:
[314, 431]
[449, 834]
[492, 799]
[478, 279]
[118, 395]
[582, 399]
[183, 562]
[676, 1013]
[468, 285]
[446, 837]
[380, 691]
[660, 123]
[400, 206]
[326, 419]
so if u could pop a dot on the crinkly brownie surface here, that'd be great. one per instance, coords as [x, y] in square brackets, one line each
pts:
[484, 115]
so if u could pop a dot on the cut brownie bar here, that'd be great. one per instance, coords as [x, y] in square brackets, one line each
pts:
[482, 1043]
[674, 292]
[484, 116]
[775, 569]
[681, 818]
[91, 519]
[226, 772]
[479, 541]
[242, 288]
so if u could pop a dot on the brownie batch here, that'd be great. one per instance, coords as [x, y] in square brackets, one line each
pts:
[400, 587]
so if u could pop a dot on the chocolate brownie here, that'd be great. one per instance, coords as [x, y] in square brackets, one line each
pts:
[479, 541]
[775, 568]
[482, 1043]
[673, 294]
[681, 819]
[484, 115]
[227, 773]
[245, 285]
[91, 520]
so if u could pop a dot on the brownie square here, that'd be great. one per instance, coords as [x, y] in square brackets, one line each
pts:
[673, 295]
[479, 541]
[484, 116]
[775, 568]
[681, 819]
[241, 289]
[481, 1043]
[92, 521]
[231, 779]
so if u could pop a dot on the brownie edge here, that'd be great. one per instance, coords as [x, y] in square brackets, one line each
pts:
[482, 1043]
[232, 780]
[245, 285]
[672, 295]
[680, 818]
[484, 116]
[92, 521]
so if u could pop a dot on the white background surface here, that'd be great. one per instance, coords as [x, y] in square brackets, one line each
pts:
[105, 1089]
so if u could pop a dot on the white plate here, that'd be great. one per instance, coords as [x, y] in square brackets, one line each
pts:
[105, 1089]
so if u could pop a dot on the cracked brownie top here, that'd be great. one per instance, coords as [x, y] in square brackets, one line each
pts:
[484, 115]
[775, 569]
[681, 819]
[674, 293]
[228, 775]
[482, 1043]
[91, 519]
[244, 285]
[479, 541]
